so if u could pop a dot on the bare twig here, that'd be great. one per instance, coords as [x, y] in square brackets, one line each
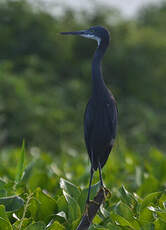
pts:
[92, 208]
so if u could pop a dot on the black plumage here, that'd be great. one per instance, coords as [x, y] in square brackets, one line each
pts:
[100, 118]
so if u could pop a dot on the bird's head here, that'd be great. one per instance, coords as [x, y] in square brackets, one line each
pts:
[97, 33]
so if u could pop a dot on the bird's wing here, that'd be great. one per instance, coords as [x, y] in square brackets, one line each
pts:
[100, 129]
[112, 117]
[110, 125]
[88, 125]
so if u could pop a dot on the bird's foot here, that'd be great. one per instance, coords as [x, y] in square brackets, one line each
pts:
[86, 209]
[106, 191]
[94, 202]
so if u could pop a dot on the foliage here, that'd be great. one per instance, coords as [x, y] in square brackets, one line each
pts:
[45, 78]
[44, 85]
[46, 197]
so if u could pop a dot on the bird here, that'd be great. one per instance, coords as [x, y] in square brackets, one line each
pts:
[100, 117]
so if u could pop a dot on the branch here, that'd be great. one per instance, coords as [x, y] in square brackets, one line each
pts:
[91, 209]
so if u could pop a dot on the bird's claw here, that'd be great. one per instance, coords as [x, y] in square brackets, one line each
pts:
[94, 202]
[106, 192]
[86, 209]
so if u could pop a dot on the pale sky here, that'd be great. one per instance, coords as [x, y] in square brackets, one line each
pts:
[127, 7]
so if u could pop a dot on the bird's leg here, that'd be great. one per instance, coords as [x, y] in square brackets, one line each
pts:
[87, 200]
[101, 179]
[105, 190]
[90, 182]
[101, 182]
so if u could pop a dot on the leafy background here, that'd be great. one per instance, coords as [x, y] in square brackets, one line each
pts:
[44, 87]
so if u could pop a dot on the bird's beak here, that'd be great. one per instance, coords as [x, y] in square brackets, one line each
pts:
[81, 33]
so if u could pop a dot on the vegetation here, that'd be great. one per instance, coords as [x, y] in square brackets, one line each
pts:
[41, 195]
[44, 87]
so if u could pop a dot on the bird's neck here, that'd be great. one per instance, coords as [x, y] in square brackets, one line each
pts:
[98, 84]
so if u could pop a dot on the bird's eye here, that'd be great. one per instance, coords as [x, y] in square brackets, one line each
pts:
[92, 30]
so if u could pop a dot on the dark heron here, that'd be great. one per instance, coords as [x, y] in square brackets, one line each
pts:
[100, 118]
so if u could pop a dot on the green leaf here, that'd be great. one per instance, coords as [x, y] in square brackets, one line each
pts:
[74, 211]
[127, 197]
[123, 210]
[36, 226]
[97, 219]
[159, 225]
[70, 188]
[2, 188]
[112, 226]
[42, 206]
[162, 200]
[121, 220]
[161, 213]
[27, 171]
[75, 224]
[98, 227]
[56, 225]
[62, 215]
[24, 223]
[62, 204]
[4, 221]
[84, 193]
[104, 212]
[147, 226]
[12, 203]
[150, 200]
[146, 216]
[127, 213]
[20, 168]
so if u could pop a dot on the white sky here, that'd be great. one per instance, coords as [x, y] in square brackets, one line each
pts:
[127, 7]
